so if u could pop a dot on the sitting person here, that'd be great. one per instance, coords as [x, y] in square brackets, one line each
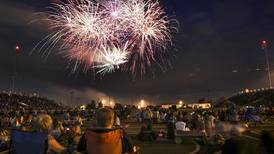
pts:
[4, 138]
[104, 139]
[146, 134]
[71, 136]
[44, 124]
[76, 131]
[57, 129]
[180, 126]
[27, 125]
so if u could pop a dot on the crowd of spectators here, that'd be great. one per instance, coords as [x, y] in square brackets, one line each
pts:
[15, 101]
[64, 126]
[255, 98]
[68, 131]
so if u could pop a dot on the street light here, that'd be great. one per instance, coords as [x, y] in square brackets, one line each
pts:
[142, 103]
[103, 102]
[17, 48]
[264, 45]
[14, 73]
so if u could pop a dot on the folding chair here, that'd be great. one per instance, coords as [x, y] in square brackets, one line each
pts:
[28, 142]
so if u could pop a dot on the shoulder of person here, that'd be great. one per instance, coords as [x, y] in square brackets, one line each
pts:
[50, 137]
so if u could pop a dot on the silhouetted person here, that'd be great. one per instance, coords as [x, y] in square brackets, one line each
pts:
[266, 143]
[104, 138]
[232, 146]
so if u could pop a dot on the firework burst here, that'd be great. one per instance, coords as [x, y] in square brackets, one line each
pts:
[110, 59]
[150, 31]
[105, 35]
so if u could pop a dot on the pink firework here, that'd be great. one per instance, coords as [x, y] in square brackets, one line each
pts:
[86, 30]
[150, 31]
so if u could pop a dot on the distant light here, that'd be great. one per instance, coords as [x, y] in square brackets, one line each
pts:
[181, 102]
[83, 107]
[142, 104]
[264, 44]
[17, 47]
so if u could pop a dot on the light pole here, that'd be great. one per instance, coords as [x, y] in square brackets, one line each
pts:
[14, 73]
[72, 97]
[264, 45]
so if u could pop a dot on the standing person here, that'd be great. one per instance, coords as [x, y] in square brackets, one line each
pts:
[209, 120]
[79, 120]
[104, 139]
[139, 116]
[117, 121]
[158, 116]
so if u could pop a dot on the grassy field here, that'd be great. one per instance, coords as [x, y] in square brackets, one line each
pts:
[166, 148]
[250, 140]
[160, 147]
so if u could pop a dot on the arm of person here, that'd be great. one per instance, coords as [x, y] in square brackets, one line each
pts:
[127, 144]
[81, 147]
[53, 145]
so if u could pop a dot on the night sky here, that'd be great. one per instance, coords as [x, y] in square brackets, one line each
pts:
[216, 53]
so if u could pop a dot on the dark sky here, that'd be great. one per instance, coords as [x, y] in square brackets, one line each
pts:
[215, 38]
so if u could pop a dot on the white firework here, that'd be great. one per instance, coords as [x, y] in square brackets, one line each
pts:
[110, 59]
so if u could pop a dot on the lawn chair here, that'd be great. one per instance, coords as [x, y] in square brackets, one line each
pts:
[28, 142]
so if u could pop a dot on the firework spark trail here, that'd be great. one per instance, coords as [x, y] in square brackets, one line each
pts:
[150, 31]
[110, 59]
[81, 25]
[108, 34]
[78, 23]
[81, 56]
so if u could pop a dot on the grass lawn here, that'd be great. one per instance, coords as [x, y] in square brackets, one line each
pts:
[166, 148]
[255, 131]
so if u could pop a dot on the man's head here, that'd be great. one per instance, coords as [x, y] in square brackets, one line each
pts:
[76, 128]
[105, 118]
